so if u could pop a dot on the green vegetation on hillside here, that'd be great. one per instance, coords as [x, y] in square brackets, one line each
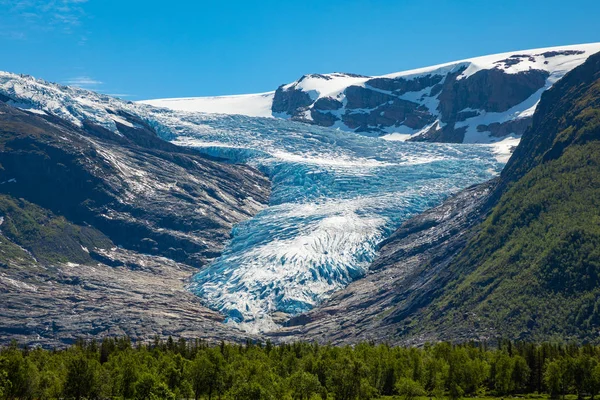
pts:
[27, 227]
[117, 369]
[534, 266]
[532, 269]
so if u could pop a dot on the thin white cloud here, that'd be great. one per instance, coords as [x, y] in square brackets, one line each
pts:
[19, 18]
[89, 83]
[82, 81]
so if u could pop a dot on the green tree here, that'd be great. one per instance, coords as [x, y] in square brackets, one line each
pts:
[4, 383]
[304, 385]
[520, 374]
[50, 385]
[455, 391]
[127, 373]
[476, 371]
[144, 387]
[554, 378]
[503, 373]
[593, 383]
[346, 378]
[250, 391]
[82, 377]
[409, 389]
[162, 392]
[21, 373]
[201, 372]
[435, 375]
[149, 387]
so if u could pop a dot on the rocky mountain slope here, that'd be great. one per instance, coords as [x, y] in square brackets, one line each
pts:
[335, 194]
[477, 100]
[516, 257]
[100, 228]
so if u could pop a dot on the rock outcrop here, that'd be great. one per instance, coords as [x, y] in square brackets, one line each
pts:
[145, 194]
[380, 105]
[475, 101]
[101, 229]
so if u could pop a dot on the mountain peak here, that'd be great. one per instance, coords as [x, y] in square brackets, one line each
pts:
[476, 100]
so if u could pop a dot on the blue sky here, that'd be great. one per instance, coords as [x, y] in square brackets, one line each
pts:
[151, 49]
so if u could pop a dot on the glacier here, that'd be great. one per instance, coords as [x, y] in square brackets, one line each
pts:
[335, 195]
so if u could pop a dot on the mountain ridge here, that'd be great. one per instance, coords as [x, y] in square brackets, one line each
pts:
[477, 100]
[100, 230]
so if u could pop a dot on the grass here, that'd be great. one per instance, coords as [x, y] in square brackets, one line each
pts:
[48, 237]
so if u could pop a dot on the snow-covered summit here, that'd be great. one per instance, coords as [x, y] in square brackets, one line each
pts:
[252, 105]
[477, 100]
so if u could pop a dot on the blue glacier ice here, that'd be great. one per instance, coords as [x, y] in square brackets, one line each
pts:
[335, 196]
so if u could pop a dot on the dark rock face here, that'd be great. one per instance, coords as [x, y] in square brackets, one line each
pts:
[447, 134]
[550, 54]
[321, 111]
[323, 118]
[490, 90]
[514, 60]
[517, 127]
[387, 110]
[465, 115]
[291, 101]
[327, 103]
[400, 86]
[360, 97]
[70, 195]
[390, 113]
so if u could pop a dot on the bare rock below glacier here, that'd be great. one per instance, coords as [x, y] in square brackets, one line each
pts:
[100, 230]
[145, 194]
[405, 276]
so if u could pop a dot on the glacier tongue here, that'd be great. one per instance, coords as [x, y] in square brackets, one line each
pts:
[335, 195]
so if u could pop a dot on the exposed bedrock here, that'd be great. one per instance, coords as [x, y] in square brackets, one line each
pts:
[400, 86]
[381, 105]
[100, 231]
[490, 90]
[161, 199]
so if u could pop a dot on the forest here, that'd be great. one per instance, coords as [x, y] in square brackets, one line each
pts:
[183, 369]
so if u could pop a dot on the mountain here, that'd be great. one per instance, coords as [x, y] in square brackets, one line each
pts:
[120, 217]
[101, 225]
[333, 197]
[516, 257]
[479, 100]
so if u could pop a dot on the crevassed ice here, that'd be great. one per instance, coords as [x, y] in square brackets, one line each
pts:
[335, 196]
